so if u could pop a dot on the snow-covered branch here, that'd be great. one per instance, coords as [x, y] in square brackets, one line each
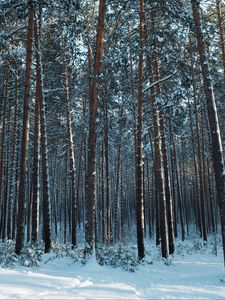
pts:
[159, 81]
[16, 30]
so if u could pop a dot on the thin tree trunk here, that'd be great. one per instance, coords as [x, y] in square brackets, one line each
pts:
[44, 151]
[72, 159]
[36, 161]
[12, 194]
[139, 158]
[221, 34]
[2, 155]
[117, 175]
[106, 152]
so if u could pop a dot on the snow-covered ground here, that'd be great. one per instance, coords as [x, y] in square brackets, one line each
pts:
[190, 276]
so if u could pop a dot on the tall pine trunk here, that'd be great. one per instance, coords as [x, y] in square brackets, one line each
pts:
[139, 158]
[217, 150]
[93, 106]
[72, 159]
[36, 160]
[2, 155]
[161, 210]
[25, 135]
[221, 34]
[12, 194]
[44, 150]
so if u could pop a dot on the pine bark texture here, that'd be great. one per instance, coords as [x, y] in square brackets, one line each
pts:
[217, 150]
[25, 136]
[139, 158]
[91, 163]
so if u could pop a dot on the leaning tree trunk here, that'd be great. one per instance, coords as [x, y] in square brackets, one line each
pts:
[91, 166]
[217, 150]
[25, 136]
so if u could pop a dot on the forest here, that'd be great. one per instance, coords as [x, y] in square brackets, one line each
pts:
[112, 129]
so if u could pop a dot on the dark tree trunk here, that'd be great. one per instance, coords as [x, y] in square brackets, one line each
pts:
[36, 161]
[161, 208]
[139, 158]
[44, 150]
[25, 136]
[217, 150]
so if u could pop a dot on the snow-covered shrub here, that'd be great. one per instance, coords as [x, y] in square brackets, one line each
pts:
[8, 258]
[196, 245]
[30, 256]
[59, 250]
[120, 257]
[68, 250]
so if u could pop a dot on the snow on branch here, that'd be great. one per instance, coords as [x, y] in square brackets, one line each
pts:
[16, 30]
[159, 81]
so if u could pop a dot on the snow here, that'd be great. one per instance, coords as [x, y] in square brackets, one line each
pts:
[191, 276]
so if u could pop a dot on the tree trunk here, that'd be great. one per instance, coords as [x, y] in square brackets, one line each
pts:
[2, 155]
[91, 166]
[221, 34]
[12, 194]
[25, 136]
[159, 167]
[217, 150]
[106, 152]
[44, 151]
[139, 158]
[72, 159]
[36, 161]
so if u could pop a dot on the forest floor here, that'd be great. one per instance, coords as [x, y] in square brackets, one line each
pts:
[191, 274]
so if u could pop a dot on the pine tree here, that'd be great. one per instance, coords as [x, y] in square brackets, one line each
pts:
[217, 150]
[25, 137]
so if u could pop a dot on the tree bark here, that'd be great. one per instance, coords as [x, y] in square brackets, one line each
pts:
[72, 159]
[25, 135]
[44, 150]
[91, 166]
[139, 158]
[36, 160]
[221, 34]
[217, 150]
[159, 167]
[12, 194]
[2, 155]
